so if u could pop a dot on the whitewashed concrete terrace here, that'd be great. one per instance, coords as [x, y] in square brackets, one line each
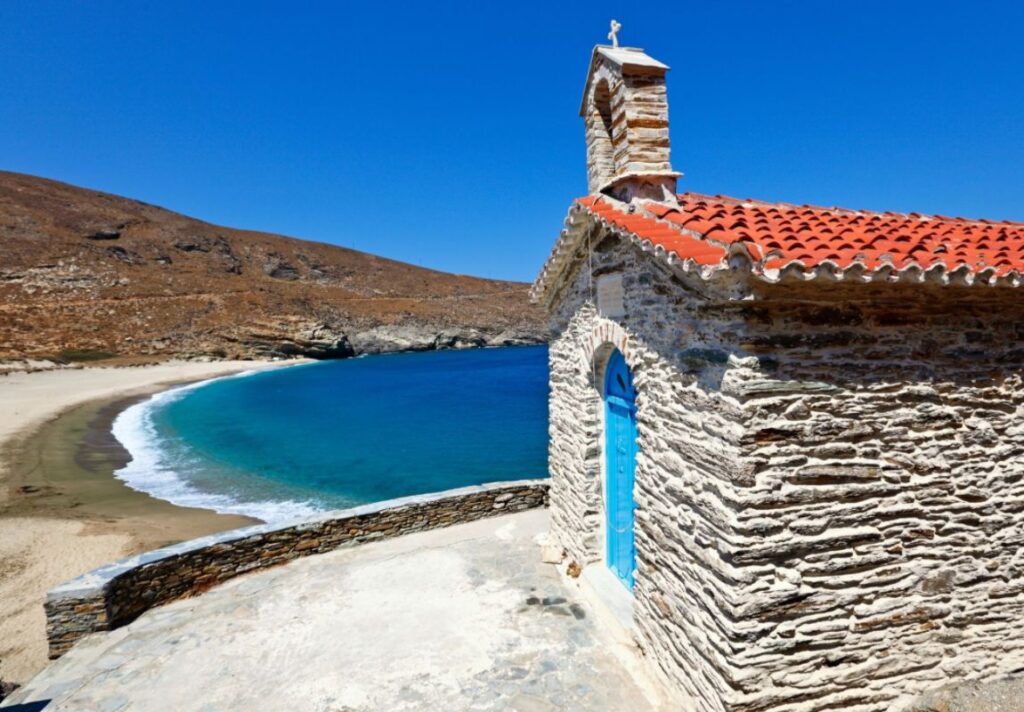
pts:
[460, 618]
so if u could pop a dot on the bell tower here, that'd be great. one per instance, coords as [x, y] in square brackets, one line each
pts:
[625, 112]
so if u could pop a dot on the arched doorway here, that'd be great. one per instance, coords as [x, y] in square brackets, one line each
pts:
[620, 467]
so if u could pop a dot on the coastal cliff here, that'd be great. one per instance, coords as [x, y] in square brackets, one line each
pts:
[87, 275]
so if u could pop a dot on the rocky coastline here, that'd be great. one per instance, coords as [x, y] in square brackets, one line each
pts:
[321, 341]
[318, 342]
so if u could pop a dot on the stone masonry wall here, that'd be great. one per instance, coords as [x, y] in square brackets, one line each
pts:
[626, 124]
[690, 437]
[117, 594]
[830, 483]
[884, 501]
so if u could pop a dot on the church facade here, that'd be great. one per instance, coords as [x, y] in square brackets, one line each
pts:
[793, 435]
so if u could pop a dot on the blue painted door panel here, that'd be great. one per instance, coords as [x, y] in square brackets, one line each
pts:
[620, 467]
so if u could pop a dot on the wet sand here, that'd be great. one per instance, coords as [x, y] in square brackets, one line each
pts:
[66, 470]
[62, 512]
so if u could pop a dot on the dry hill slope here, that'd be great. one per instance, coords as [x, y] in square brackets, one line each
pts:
[85, 274]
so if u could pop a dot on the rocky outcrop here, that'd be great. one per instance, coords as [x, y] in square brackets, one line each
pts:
[321, 341]
[279, 268]
[104, 235]
[389, 339]
[6, 688]
[217, 246]
[317, 341]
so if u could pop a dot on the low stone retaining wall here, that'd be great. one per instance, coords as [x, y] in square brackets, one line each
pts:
[117, 594]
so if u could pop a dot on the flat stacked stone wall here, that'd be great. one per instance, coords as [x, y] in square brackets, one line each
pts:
[676, 341]
[884, 501]
[115, 595]
[626, 121]
[830, 483]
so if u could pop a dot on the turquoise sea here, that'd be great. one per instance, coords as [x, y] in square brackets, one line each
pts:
[282, 443]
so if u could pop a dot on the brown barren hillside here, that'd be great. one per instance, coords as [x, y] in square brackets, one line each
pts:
[87, 274]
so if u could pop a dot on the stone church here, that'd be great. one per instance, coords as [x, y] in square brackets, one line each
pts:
[792, 436]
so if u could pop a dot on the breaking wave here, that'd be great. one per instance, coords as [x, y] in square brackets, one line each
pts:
[164, 467]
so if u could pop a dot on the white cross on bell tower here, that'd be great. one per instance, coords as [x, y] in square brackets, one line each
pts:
[614, 34]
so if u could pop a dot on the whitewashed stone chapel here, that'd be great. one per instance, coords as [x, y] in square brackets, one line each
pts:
[793, 435]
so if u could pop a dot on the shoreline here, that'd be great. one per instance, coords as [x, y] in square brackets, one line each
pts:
[147, 471]
[62, 511]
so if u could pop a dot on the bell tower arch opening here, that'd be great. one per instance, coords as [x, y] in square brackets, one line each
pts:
[600, 144]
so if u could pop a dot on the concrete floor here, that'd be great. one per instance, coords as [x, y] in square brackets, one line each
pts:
[465, 618]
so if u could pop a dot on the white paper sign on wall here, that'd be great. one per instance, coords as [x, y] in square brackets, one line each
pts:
[610, 297]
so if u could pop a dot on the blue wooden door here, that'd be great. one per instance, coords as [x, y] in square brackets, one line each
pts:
[620, 467]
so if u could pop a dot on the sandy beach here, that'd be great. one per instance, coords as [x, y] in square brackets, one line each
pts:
[62, 513]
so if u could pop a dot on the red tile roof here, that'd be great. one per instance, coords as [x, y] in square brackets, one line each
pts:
[783, 240]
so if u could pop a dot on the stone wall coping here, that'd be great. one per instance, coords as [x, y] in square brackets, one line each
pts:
[95, 581]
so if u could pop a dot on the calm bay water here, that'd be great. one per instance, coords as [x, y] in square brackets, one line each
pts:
[282, 443]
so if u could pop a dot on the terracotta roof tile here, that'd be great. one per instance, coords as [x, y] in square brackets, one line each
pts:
[806, 233]
[704, 230]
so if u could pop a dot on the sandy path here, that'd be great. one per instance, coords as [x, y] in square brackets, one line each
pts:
[38, 552]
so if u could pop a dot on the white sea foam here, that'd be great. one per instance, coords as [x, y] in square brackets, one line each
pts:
[154, 471]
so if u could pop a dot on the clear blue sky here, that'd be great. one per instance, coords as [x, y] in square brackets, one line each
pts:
[447, 134]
